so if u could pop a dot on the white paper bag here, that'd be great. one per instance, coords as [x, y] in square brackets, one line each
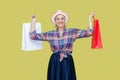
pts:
[27, 43]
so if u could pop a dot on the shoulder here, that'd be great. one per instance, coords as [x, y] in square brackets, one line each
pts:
[70, 29]
[73, 29]
[51, 31]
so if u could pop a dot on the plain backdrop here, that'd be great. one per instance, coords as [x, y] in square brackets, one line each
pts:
[90, 64]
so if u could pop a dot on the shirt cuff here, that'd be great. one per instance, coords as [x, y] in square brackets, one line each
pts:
[34, 32]
[90, 29]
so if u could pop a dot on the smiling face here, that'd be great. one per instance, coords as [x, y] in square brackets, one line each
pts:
[60, 21]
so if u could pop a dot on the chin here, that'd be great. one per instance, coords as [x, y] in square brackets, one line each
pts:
[62, 26]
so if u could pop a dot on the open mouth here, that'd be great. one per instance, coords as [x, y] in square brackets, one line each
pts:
[61, 23]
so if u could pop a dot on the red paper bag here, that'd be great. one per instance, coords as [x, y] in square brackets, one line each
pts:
[96, 38]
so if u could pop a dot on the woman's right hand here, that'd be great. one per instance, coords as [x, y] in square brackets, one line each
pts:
[33, 21]
[33, 18]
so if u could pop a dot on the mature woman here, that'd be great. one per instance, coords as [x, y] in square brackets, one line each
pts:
[61, 64]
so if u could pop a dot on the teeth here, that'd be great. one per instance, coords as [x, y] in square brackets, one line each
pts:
[60, 23]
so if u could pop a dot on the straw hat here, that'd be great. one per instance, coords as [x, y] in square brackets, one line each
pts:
[57, 13]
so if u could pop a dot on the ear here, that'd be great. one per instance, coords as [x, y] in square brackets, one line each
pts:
[55, 25]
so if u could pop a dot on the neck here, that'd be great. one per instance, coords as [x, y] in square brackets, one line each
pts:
[60, 29]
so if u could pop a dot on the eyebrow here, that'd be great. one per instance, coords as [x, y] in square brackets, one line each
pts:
[58, 15]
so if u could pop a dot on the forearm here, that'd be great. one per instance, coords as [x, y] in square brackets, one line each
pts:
[33, 22]
[90, 22]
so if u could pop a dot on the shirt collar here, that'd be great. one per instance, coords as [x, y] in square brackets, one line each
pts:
[63, 29]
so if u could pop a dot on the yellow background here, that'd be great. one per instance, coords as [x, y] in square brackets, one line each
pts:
[90, 64]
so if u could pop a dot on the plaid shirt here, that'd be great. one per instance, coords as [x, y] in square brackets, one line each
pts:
[64, 43]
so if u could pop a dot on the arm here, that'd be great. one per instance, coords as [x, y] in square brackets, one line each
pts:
[90, 20]
[85, 33]
[33, 21]
[34, 35]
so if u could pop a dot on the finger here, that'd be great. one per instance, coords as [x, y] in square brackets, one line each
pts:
[34, 16]
[92, 13]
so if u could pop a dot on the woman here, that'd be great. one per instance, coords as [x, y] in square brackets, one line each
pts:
[61, 64]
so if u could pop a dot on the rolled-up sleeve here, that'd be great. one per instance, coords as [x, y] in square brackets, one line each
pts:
[78, 33]
[39, 36]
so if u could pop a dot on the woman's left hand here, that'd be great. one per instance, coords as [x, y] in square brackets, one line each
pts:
[91, 18]
[92, 15]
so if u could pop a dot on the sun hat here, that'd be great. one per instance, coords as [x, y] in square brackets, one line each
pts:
[57, 13]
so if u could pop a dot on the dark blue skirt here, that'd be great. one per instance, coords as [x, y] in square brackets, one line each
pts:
[63, 70]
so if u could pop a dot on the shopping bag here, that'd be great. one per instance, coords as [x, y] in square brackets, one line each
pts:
[27, 43]
[96, 37]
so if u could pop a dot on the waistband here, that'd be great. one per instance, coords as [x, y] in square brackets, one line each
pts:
[63, 52]
[66, 53]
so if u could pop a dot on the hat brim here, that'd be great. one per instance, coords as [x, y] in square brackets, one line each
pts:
[59, 13]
